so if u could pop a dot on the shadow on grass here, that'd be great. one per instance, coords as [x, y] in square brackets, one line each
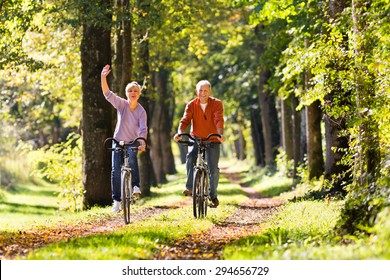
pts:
[19, 208]
[276, 190]
[34, 190]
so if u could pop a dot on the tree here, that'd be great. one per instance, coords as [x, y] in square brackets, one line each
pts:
[369, 193]
[269, 118]
[367, 162]
[96, 112]
[147, 174]
[335, 118]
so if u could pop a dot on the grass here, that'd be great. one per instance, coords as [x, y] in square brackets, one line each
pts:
[300, 229]
[293, 230]
[27, 204]
[305, 230]
[138, 241]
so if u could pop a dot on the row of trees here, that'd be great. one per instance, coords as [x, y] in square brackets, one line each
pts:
[308, 76]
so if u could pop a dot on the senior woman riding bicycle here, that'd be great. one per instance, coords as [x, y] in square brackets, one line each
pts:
[131, 123]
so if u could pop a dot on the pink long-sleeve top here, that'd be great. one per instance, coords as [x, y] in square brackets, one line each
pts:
[130, 124]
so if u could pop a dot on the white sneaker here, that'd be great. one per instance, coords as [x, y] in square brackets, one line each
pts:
[116, 207]
[136, 191]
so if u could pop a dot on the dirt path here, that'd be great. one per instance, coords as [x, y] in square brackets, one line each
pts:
[246, 221]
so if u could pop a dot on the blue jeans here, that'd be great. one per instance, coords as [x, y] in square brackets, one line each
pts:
[212, 159]
[117, 159]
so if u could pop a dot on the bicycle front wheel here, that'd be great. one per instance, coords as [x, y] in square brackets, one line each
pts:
[127, 192]
[205, 189]
[199, 199]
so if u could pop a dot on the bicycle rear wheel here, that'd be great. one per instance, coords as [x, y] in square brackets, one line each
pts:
[197, 194]
[127, 192]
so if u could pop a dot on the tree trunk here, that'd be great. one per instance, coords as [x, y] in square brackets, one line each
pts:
[287, 128]
[166, 104]
[314, 145]
[297, 136]
[123, 63]
[269, 117]
[96, 113]
[147, 175]
[313, 133]
[156, 139]
[269, 120]
[239, 140]
[257, 136]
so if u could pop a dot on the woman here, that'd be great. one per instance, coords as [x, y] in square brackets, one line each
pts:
[131, 123]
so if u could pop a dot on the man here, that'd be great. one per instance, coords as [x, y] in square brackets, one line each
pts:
[205, 114]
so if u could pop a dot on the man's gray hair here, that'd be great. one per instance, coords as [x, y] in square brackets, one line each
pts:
[203, 83]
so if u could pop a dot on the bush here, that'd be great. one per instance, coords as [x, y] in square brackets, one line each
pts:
[62, 164]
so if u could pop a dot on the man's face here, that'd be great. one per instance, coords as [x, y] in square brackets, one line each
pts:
[203, 93]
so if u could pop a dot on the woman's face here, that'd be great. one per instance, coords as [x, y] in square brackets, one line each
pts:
[133, 93]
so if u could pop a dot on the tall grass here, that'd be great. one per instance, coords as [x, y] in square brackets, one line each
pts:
[14, 169]
[305, 229]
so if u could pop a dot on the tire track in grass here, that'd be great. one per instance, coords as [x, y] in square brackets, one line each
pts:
[208, 245]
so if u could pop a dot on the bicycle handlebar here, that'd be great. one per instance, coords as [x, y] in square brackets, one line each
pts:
[123, 145]
[197, 139]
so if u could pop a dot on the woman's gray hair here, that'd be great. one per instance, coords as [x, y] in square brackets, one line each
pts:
[133, 84]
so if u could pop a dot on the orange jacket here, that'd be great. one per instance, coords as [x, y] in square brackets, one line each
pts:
[203, 123]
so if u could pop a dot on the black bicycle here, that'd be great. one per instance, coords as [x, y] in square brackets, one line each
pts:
[126, 187]
[201, 183]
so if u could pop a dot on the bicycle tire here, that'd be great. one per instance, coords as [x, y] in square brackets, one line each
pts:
[202, 200]
[127, 193]
[205, 193]
[196, 193]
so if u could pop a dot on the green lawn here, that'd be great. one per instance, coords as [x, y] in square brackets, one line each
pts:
[300, 229]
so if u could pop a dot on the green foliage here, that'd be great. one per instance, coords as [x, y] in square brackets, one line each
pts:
[341, 63]
[283, 165]
[62, 164]
[16, 17]
[363, 205]
[40, 104]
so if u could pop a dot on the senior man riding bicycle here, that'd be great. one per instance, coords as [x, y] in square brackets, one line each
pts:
[205, 113]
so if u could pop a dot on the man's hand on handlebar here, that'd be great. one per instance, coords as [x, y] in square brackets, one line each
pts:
[221, 139]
